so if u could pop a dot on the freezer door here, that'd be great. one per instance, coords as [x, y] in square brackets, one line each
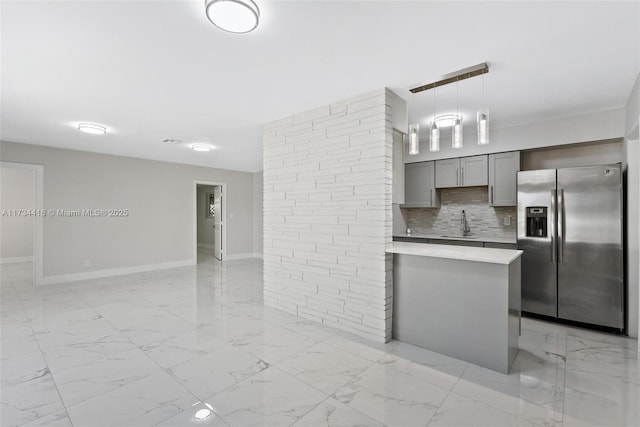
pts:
[539, 268]
[590, 258]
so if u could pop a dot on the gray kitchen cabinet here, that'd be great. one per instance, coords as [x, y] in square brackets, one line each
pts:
[462, 172]
[419, 185]
[503, 175]
[447, 173]
[473, 171]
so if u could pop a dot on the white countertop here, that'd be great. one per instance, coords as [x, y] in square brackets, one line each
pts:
[476, 238]
[463, 253]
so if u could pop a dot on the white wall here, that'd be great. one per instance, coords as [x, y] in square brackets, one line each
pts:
[632, 163]
[597, 126]
[327, 214]
[205, 225]
[17, 191]
[575, 155]
[159, 196]
[257, 213]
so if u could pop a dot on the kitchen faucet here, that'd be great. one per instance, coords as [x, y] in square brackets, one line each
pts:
[465, 226]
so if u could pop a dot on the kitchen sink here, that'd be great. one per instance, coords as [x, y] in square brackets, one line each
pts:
[460, 237]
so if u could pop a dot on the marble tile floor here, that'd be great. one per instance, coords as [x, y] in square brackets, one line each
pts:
[154, 348]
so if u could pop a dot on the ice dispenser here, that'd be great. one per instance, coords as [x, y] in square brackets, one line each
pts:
[537, 222]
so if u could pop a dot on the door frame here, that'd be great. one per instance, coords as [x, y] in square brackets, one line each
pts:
[38, 182]
[195, 216]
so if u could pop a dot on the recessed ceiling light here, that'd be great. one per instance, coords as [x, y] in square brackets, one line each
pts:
[202, 414]
[234, 16]
[172, 141]
[202, 147]
[92, 128]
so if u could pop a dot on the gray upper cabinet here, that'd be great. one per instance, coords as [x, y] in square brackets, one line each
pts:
[447, 173]
[462, 172]
[473, 171]
[503, 174]
[419, 189]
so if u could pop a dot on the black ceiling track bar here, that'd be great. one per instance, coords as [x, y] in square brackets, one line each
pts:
[463, 74]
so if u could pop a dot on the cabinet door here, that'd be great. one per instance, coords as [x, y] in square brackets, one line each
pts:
[418, 185]
[503, 176]
[474, 171]
[447, 173]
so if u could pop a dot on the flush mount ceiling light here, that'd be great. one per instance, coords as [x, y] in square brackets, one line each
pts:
[202, 147]
[92, 128]
[446, 120]
[234, 16]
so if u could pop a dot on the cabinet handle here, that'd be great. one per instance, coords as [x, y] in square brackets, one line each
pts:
[491, 195]
[462, 176]
[431, 197]
[457, 176]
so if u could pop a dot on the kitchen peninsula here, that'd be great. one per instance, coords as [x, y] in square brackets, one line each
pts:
[456, 300]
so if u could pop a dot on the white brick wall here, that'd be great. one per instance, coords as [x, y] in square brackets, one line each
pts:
[327, 214]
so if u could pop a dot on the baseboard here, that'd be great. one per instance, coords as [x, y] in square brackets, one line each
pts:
[16, 259]
[99, 274]
[206, 245]
[242, 256]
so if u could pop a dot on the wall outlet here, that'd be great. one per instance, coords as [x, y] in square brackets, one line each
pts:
[87, 263]
[507, 220]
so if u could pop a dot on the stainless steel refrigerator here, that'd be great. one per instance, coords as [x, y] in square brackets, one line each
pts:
[570, 230]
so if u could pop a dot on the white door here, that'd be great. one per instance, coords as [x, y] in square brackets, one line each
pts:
[217, 223]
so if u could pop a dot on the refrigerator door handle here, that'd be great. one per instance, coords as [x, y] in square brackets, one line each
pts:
[552, 225]
[561, 226]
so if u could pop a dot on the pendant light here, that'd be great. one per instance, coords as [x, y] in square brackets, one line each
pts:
[434, 135]
[414, 133]
[483, 121]
[456, 130]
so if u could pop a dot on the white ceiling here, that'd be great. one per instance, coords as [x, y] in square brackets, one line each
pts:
[150, 70]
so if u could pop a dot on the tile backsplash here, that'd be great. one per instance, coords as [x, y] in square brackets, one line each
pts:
[483, 219]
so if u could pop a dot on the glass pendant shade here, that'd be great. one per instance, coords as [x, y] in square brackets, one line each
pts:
[456, 133]
[483, 127]
[414, 139]
[434, 140]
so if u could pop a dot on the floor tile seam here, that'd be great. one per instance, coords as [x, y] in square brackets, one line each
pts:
[422, 379]
[332, 394]
[179, 380]
[448, 394]
[53, 379]
[513, 414]
[187, 391]
[384, 352]
[564, 379]
[438, 409]
[309, 411]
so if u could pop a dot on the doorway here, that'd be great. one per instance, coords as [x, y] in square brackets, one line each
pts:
[210, 222]
[21, 225]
